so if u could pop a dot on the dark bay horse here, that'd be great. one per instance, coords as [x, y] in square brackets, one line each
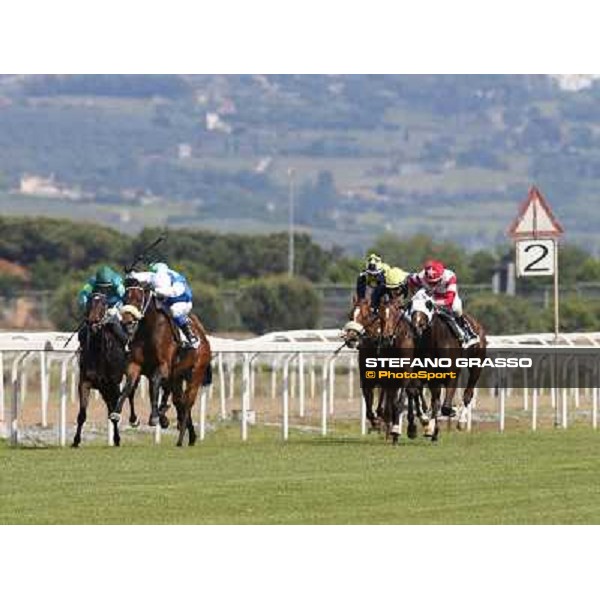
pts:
[364, 331]
[436, 339]
[102, 363]
[155, 353]
[397, 333]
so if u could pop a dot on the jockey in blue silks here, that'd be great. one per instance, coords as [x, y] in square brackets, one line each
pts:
[175, 291]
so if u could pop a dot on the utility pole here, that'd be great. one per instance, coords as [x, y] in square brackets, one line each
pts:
[291, 174]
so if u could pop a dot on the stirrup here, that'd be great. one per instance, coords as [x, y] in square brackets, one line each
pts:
[471, 342]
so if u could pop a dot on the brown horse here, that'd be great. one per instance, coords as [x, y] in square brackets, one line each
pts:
[435, 338]
[102, 364]
[364, 331]
[397, 333]
[155, 353]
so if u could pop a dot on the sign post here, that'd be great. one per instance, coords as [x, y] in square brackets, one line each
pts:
[536, 232]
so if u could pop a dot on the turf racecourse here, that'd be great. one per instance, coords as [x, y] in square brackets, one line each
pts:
[484, 478]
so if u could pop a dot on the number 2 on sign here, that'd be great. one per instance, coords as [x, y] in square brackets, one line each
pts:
[535, 258]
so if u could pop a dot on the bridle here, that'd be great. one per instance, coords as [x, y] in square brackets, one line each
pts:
[97, 325]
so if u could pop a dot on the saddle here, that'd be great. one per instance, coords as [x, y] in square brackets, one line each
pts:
[178, 335]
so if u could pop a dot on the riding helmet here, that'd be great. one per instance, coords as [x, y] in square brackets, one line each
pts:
[104, 275]
[434, 270]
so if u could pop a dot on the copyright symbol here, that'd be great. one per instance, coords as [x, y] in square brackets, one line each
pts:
[370, 374]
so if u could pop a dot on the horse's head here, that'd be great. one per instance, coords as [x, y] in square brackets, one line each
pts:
[391, 318]
[96, 311]
[363, 323]
[421, 311]
[135, 303]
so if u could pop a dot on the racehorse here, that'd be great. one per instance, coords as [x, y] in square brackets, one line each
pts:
[101, 365]
[436, 339]
[364, 331]
[155, 353]
[397, 333]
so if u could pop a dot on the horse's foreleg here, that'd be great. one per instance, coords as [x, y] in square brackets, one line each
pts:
[474, 374]
[396, 401]
[432, 430]
[448, 409]
[84, 390]
[164, 405]
[368, 397]
[412, 401]
[133, 375]
[155, 387]
[189, 399]
[111, 393]
[134, 420]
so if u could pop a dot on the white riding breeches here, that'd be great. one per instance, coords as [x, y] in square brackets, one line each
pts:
[180, 309]
[114, 313]
[457, 306]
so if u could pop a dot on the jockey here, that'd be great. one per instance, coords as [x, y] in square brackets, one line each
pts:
[395, 285]
[382, 279]
[176, 293]
[110, 283]
[441, 284]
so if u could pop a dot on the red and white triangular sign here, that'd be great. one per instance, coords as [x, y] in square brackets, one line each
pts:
[535, 219]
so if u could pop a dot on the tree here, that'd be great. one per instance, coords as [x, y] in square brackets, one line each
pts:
[279, 303]
[505, 315]
[411, 253]
[64, 311]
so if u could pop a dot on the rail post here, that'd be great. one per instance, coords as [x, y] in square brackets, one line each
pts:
[595, 395]
[202, 424]
[222, 392]
[16, 392]
[1, 386]
[62, 420]
[301, 385]
[245, 395]
[502, 402]
[286, 397]
[44, 387]
[324, 395]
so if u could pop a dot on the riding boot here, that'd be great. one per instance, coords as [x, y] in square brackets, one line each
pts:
[189, 334]
[82, 336]
[456, 329]
[471, 337]
[121, 334]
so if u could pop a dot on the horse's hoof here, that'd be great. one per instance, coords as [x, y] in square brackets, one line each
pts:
[135, 423]
[164, 421]
[115, 417]
[411, 432]
[448, 411]
[395, 438]
[75, 445]
[461, 426]
[153, 421]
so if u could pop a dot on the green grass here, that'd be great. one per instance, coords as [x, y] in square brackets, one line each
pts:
[547, 477]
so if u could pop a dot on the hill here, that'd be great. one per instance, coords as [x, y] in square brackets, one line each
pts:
[449, 156]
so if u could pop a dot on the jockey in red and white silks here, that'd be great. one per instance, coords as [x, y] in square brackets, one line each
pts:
[438, 282]
[442, 285]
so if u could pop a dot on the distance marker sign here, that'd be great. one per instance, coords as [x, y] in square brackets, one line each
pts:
[535, 258]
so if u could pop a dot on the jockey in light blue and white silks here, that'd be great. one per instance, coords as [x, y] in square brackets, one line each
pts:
[175, 291]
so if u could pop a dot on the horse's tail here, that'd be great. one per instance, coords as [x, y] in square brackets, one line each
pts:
[478, 329]
[208, 375]
[200, 330]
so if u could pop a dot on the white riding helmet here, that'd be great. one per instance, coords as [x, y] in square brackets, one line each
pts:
[159, 267]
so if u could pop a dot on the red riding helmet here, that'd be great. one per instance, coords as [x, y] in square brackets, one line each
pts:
[434, 270]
